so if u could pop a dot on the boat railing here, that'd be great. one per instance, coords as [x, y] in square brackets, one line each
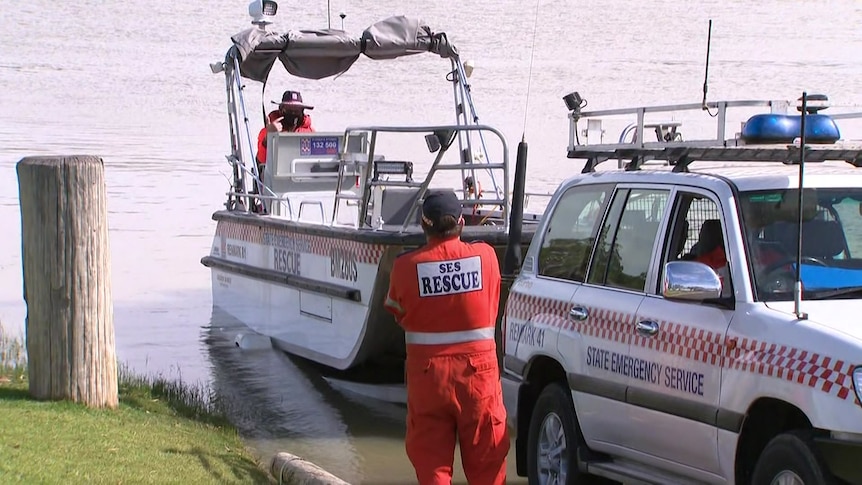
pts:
[243, 143]
[439, 139]
[273, 199]
[234, 196]
[250, 197]
[632, 149]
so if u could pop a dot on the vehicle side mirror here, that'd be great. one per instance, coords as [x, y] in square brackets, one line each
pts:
[691, 281]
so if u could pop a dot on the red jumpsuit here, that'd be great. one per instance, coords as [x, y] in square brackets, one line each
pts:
[305, 127]
[445, 296]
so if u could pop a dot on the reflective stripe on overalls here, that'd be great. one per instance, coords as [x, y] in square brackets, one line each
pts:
[443, 338]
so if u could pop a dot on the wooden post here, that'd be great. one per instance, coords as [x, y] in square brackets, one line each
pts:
[67, 280]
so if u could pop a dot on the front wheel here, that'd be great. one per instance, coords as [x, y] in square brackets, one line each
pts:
[790, 459]
[553, 439]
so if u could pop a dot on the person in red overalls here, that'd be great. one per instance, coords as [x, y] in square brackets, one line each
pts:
[445, 295]
[289, 117]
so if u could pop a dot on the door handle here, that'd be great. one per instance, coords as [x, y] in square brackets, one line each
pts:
[579, 313]
[646, 327]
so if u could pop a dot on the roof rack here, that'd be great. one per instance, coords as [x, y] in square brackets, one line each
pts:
[765, 137]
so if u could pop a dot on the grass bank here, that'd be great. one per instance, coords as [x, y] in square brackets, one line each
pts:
[163, 432]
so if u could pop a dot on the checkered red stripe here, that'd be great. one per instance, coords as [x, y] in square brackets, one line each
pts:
[240, 232]
[365, 252]
[542, 310]
[830, 375]
[817, 371]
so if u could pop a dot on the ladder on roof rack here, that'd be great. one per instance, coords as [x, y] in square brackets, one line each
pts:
[670, 147]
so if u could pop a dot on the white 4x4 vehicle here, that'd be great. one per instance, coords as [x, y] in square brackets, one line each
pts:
[656, 332]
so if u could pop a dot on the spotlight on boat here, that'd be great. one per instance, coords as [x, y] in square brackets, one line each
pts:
[261, 11]
[816, 102]
[573, 101]
[468, 68]
[433, 142]
[439, 139]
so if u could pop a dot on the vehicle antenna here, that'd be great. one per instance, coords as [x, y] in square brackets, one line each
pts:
[328, 15]
[706, 69]
[530, 71]
[512, 255]
[797, 287]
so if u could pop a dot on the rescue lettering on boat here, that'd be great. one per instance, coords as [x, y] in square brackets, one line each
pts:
[450, 277]
[286, 261]
[286, 251]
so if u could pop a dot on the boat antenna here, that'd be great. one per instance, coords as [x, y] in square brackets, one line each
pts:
[530, 70]
[703, 105]
[797, 286]
[328, 15]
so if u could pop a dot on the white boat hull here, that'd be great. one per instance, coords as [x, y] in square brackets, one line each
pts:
[318, 291]
[321, 314]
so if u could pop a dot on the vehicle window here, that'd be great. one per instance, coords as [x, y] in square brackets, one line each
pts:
[627, 238]
[831, 242]
[849, 212]
[696, 234]
[601, 259]
[567, 244]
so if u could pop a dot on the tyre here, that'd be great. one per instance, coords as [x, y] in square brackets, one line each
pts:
[791, 459]
[553, 440]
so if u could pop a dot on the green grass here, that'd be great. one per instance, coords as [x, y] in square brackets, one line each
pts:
[13, 357]
[163, 432]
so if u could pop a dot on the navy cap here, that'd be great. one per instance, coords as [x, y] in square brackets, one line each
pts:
[440, 203]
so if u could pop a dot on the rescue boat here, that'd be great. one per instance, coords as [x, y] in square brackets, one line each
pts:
[305, 258]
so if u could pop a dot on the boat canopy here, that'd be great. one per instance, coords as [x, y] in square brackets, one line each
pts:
[317, 54]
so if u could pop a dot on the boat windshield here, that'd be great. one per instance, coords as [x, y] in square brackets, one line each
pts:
[831, 242]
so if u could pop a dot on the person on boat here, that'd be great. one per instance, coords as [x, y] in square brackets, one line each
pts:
[445, 295]
[472, 187]
[289, 117]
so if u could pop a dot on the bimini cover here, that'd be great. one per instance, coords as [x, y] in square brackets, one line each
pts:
[316, 54]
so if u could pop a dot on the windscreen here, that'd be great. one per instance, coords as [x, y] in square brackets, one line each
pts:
[831, 242]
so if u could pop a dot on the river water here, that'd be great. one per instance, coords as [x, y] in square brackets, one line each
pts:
[130, 82]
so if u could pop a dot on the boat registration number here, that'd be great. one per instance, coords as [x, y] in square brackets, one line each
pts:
[322, 145]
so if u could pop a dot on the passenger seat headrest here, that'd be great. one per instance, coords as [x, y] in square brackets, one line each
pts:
[710, 235]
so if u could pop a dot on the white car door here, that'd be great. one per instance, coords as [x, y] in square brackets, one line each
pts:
[683, 341]
[602, 314]
[538, 305]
